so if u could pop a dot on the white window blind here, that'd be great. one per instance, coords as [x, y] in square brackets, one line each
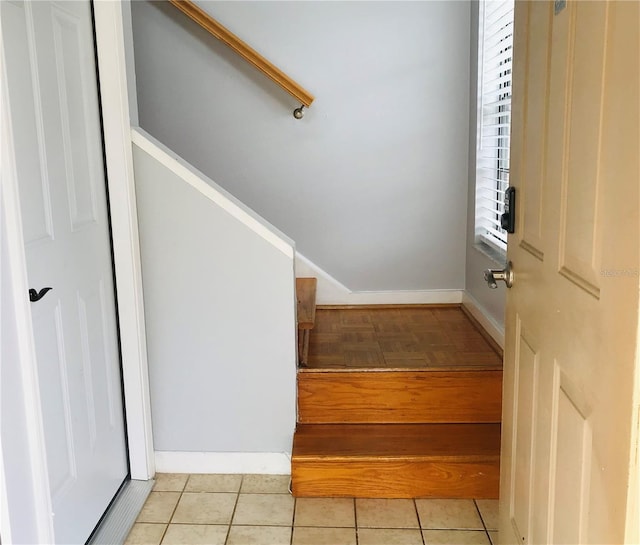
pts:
[495, 49]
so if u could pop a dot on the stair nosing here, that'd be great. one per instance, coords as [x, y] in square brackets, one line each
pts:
[450, 369]
[396, 458]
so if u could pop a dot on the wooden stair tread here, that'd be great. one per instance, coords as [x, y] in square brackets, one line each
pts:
[400, 369]
[396, 460]
[445, 442]
[306, 298]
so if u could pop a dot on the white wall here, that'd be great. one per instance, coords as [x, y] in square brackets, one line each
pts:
[220, 315]
[490, 302]
[127, 35]
[372, 183]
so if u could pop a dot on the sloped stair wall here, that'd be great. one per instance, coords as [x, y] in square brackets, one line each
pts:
[220, 313]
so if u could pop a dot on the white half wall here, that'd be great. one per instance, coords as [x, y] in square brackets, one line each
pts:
[220, 313]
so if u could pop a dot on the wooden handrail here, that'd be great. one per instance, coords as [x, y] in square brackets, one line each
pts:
[244, 50]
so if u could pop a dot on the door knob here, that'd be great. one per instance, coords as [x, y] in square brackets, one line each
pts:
[492, 276]
[37, 295]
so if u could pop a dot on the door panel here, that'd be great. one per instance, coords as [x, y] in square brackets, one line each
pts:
[579, 231]
[524, 411]
[37, 223]
[48, 328]
[75, 87]
[572, 314]
[535, 113]
[55, 117]
[572, 461]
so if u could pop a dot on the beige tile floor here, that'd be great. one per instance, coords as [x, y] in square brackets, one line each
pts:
[259, 510]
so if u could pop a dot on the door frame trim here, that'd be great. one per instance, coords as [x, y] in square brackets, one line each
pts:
[114, 95]
[111, 49]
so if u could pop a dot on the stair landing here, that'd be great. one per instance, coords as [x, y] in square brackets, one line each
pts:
[399, 337]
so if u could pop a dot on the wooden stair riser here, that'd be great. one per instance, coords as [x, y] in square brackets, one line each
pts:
[396, 479]
[400, 397]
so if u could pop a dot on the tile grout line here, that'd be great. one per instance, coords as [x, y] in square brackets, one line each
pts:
[475, 502]
[293, 519]
[355, 521]
[415, 507]
[295, 503]
[235, 506]
[175, 507]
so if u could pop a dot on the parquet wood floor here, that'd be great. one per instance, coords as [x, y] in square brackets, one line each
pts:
[398, 338]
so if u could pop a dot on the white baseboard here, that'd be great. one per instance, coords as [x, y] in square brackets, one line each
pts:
[267, 463]
[330, 291]
[489, 324]
[423, 297]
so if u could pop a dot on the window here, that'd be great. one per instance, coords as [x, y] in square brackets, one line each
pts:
[495, 47]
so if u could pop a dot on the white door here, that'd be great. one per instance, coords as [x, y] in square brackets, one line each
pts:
[572, 314]
[55, 114]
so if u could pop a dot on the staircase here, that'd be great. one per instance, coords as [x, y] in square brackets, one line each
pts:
[394, 432]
